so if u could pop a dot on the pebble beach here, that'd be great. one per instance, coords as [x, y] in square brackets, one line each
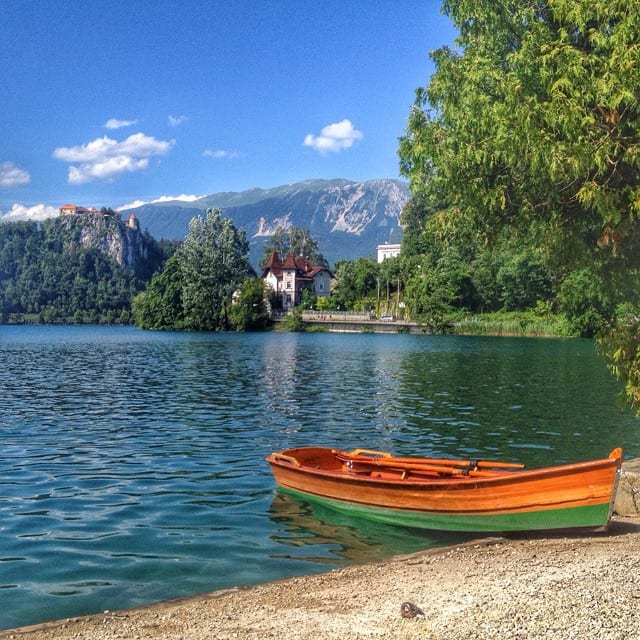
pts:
[555, 587]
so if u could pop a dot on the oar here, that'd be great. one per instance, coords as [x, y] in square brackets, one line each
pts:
[469, 464]
[368, 454]
[393, 464]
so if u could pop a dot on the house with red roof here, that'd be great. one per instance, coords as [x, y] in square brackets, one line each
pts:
[74, 210]
[288, 278]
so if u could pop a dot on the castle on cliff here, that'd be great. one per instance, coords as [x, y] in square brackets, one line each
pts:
[75, 210]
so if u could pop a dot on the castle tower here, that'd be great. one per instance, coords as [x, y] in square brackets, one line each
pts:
[132, 222]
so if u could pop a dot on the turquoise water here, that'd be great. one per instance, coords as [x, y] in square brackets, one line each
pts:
[132, 463]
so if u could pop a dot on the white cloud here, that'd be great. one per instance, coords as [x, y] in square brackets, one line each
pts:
[132, 205]
[183, 198]
[106, 159]
[334, 137]
[106, 169]
[139, 203]
[221, 154]
[175, 121]
[115, 123]
[35, 212]
[12, 175]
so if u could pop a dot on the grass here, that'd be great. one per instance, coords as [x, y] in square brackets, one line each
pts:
[511, 324]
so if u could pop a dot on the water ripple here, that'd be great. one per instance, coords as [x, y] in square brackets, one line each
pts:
[133, 463]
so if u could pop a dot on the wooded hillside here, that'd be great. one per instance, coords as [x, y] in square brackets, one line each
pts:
[73, 268]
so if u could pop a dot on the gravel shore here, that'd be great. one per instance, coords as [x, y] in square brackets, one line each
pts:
[555, 587]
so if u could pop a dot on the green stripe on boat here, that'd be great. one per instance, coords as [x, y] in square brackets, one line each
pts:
[575, 517]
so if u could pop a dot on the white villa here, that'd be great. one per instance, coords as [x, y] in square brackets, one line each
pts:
[289, 278]
[387, 251]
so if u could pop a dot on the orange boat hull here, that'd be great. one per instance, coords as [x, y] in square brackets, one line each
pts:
[412, 493]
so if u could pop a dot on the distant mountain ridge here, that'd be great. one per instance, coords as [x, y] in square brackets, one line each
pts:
[347, 219]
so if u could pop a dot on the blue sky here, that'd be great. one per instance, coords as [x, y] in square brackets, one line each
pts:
[108, 102]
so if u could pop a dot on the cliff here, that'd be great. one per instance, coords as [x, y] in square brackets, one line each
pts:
[126, 246]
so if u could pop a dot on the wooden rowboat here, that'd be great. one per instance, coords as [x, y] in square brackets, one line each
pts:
[451, 495]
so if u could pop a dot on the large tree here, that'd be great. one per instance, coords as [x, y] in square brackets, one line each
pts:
[249, 312]
[159, 306]
[293, 240]
[532, 123]
[215, 260]
[195, 288]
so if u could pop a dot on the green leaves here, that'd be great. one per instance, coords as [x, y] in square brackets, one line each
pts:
[195, 288]
[293, 240]
[536, 111]
[214, 262]
[60, 270]
[249, 312]
[531, 128]
[160, 305]
[621, 346]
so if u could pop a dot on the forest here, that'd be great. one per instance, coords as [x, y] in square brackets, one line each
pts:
[47, 276]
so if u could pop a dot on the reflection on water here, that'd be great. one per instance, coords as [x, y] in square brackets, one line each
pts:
[132, 463]
[307, 526]
[540, 402]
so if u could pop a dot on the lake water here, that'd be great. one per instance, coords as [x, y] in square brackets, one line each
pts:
[132, 463]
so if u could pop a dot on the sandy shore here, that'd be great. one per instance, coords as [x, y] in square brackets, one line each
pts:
[578, 586]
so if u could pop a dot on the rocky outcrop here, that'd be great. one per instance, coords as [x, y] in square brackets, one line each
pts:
[124, 245]
[627, 499]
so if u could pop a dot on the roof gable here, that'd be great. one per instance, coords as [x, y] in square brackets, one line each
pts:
[273, 265]
[304, 269]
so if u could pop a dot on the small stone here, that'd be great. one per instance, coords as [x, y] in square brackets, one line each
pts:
[410, 610]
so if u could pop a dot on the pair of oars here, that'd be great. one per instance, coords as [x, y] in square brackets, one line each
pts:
[478, 468]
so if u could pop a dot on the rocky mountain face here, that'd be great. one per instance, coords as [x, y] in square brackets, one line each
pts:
[347, 219]
[125, 245]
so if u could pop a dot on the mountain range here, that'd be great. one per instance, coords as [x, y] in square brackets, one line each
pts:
[348, 219]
